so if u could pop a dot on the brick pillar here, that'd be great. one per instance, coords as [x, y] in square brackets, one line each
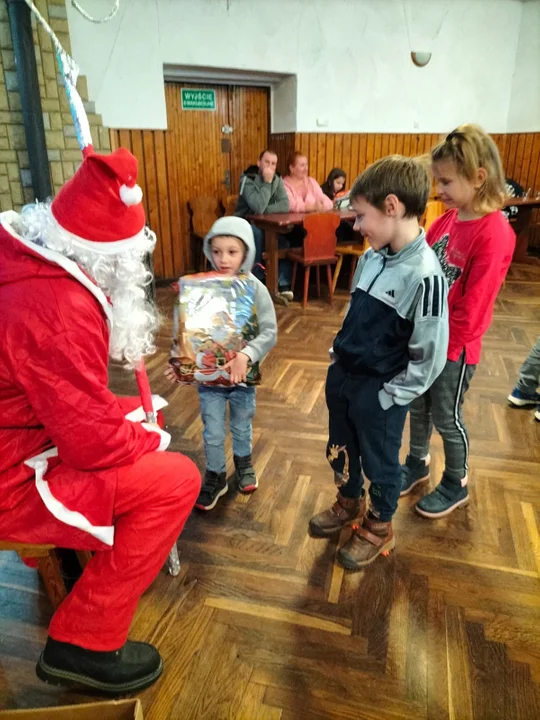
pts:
[62, 145]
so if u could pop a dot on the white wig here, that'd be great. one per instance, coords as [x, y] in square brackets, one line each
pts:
[123, 277]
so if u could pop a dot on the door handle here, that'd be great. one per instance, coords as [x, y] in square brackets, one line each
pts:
[227, 179]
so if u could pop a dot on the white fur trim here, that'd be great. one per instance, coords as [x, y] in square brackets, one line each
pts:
[104, 248]
[138, 415]
[165, 437]
[39, 464]
[131, 195]
[54, 256]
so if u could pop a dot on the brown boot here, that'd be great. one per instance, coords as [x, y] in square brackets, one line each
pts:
[345, 511]
[370, 539]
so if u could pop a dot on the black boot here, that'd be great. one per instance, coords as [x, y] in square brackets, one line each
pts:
[134, 667]
[245, 474]
[213, 487]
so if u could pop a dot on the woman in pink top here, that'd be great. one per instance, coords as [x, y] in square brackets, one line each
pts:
[305, 193]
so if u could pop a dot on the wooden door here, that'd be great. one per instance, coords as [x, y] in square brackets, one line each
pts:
[248, 117]
[203, 153]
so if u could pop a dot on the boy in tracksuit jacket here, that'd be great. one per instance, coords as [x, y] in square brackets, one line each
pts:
[390, 349]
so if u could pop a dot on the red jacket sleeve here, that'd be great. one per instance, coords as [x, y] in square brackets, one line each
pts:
[471, 313]
[65, 380]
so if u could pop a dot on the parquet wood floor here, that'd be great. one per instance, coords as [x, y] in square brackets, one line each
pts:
[262, 625]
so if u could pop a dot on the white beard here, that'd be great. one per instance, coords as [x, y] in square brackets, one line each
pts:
[123, 277]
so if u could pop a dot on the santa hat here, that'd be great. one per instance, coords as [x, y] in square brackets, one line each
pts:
[101, 206]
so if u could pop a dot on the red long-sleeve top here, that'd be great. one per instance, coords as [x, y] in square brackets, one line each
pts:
[475, 256]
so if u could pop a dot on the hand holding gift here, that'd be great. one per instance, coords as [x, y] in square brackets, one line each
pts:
[237, 368]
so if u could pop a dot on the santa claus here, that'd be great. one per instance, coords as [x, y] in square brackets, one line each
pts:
[78, 468]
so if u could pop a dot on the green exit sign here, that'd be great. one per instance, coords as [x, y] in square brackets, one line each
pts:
[197, 99]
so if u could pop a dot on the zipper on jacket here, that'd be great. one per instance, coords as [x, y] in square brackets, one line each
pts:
[377, 276]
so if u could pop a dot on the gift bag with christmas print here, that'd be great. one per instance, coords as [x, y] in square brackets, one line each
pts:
[214, 318]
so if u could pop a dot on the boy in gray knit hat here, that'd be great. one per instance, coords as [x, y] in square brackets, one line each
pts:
[230, 248]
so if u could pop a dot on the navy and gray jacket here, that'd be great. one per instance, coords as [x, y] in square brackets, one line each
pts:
[396, 325]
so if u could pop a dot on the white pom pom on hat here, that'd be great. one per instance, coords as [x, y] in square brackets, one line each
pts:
[131, 195]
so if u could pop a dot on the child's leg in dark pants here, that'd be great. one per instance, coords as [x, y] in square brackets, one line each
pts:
[343, 454]
[342, 450]
[379, 434]
[447, 394]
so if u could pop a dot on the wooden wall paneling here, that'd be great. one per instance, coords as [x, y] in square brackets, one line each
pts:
[354, 168]
[312, 156]
[527, 160]
[518, 165]
[338, 150]
[283, 145]
[346, 162]
[138, 151]
[511, 159]
[179, 248]
[377, 147]
[330, 148]
[153, 217]
[322, 161]
[370, 149]
[165, 239]
[531, 154]
[535, 164]
[362, 153]
[385, 144]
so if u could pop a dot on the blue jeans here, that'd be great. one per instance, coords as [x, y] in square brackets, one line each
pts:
[284, 266]
[213, 412]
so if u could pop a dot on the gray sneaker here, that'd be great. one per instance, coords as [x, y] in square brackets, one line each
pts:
[245, 474]
[413, 473]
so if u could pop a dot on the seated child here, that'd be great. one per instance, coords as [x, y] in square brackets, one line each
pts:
[230, 248]
[391, 347]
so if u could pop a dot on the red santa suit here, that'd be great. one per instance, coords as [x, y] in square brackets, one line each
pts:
[77, 467]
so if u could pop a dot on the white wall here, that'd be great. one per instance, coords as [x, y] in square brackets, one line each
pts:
[351, 59]
[524, 111]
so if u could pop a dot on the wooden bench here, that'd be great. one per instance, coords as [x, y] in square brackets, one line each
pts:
[48, 565]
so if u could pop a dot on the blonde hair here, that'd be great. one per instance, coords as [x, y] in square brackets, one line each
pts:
[406, 178]
[471, 148]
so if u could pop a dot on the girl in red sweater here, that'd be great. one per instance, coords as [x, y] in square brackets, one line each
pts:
[474, 243]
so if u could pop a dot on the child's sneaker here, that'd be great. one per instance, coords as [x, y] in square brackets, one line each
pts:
[447, 497]
[518, 398]
[537, 414]
[245, 474]
[369, 540]
[214, 486]
[413, 473]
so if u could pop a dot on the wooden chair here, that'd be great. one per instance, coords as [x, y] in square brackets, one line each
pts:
[48, 565]
[204, 212]
[319, 249]
[355, 250]
[230, 204]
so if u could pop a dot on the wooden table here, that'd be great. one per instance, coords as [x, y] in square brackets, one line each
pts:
[522, 225]
[281, 224]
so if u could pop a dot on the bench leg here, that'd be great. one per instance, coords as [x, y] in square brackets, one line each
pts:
[49, 569]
